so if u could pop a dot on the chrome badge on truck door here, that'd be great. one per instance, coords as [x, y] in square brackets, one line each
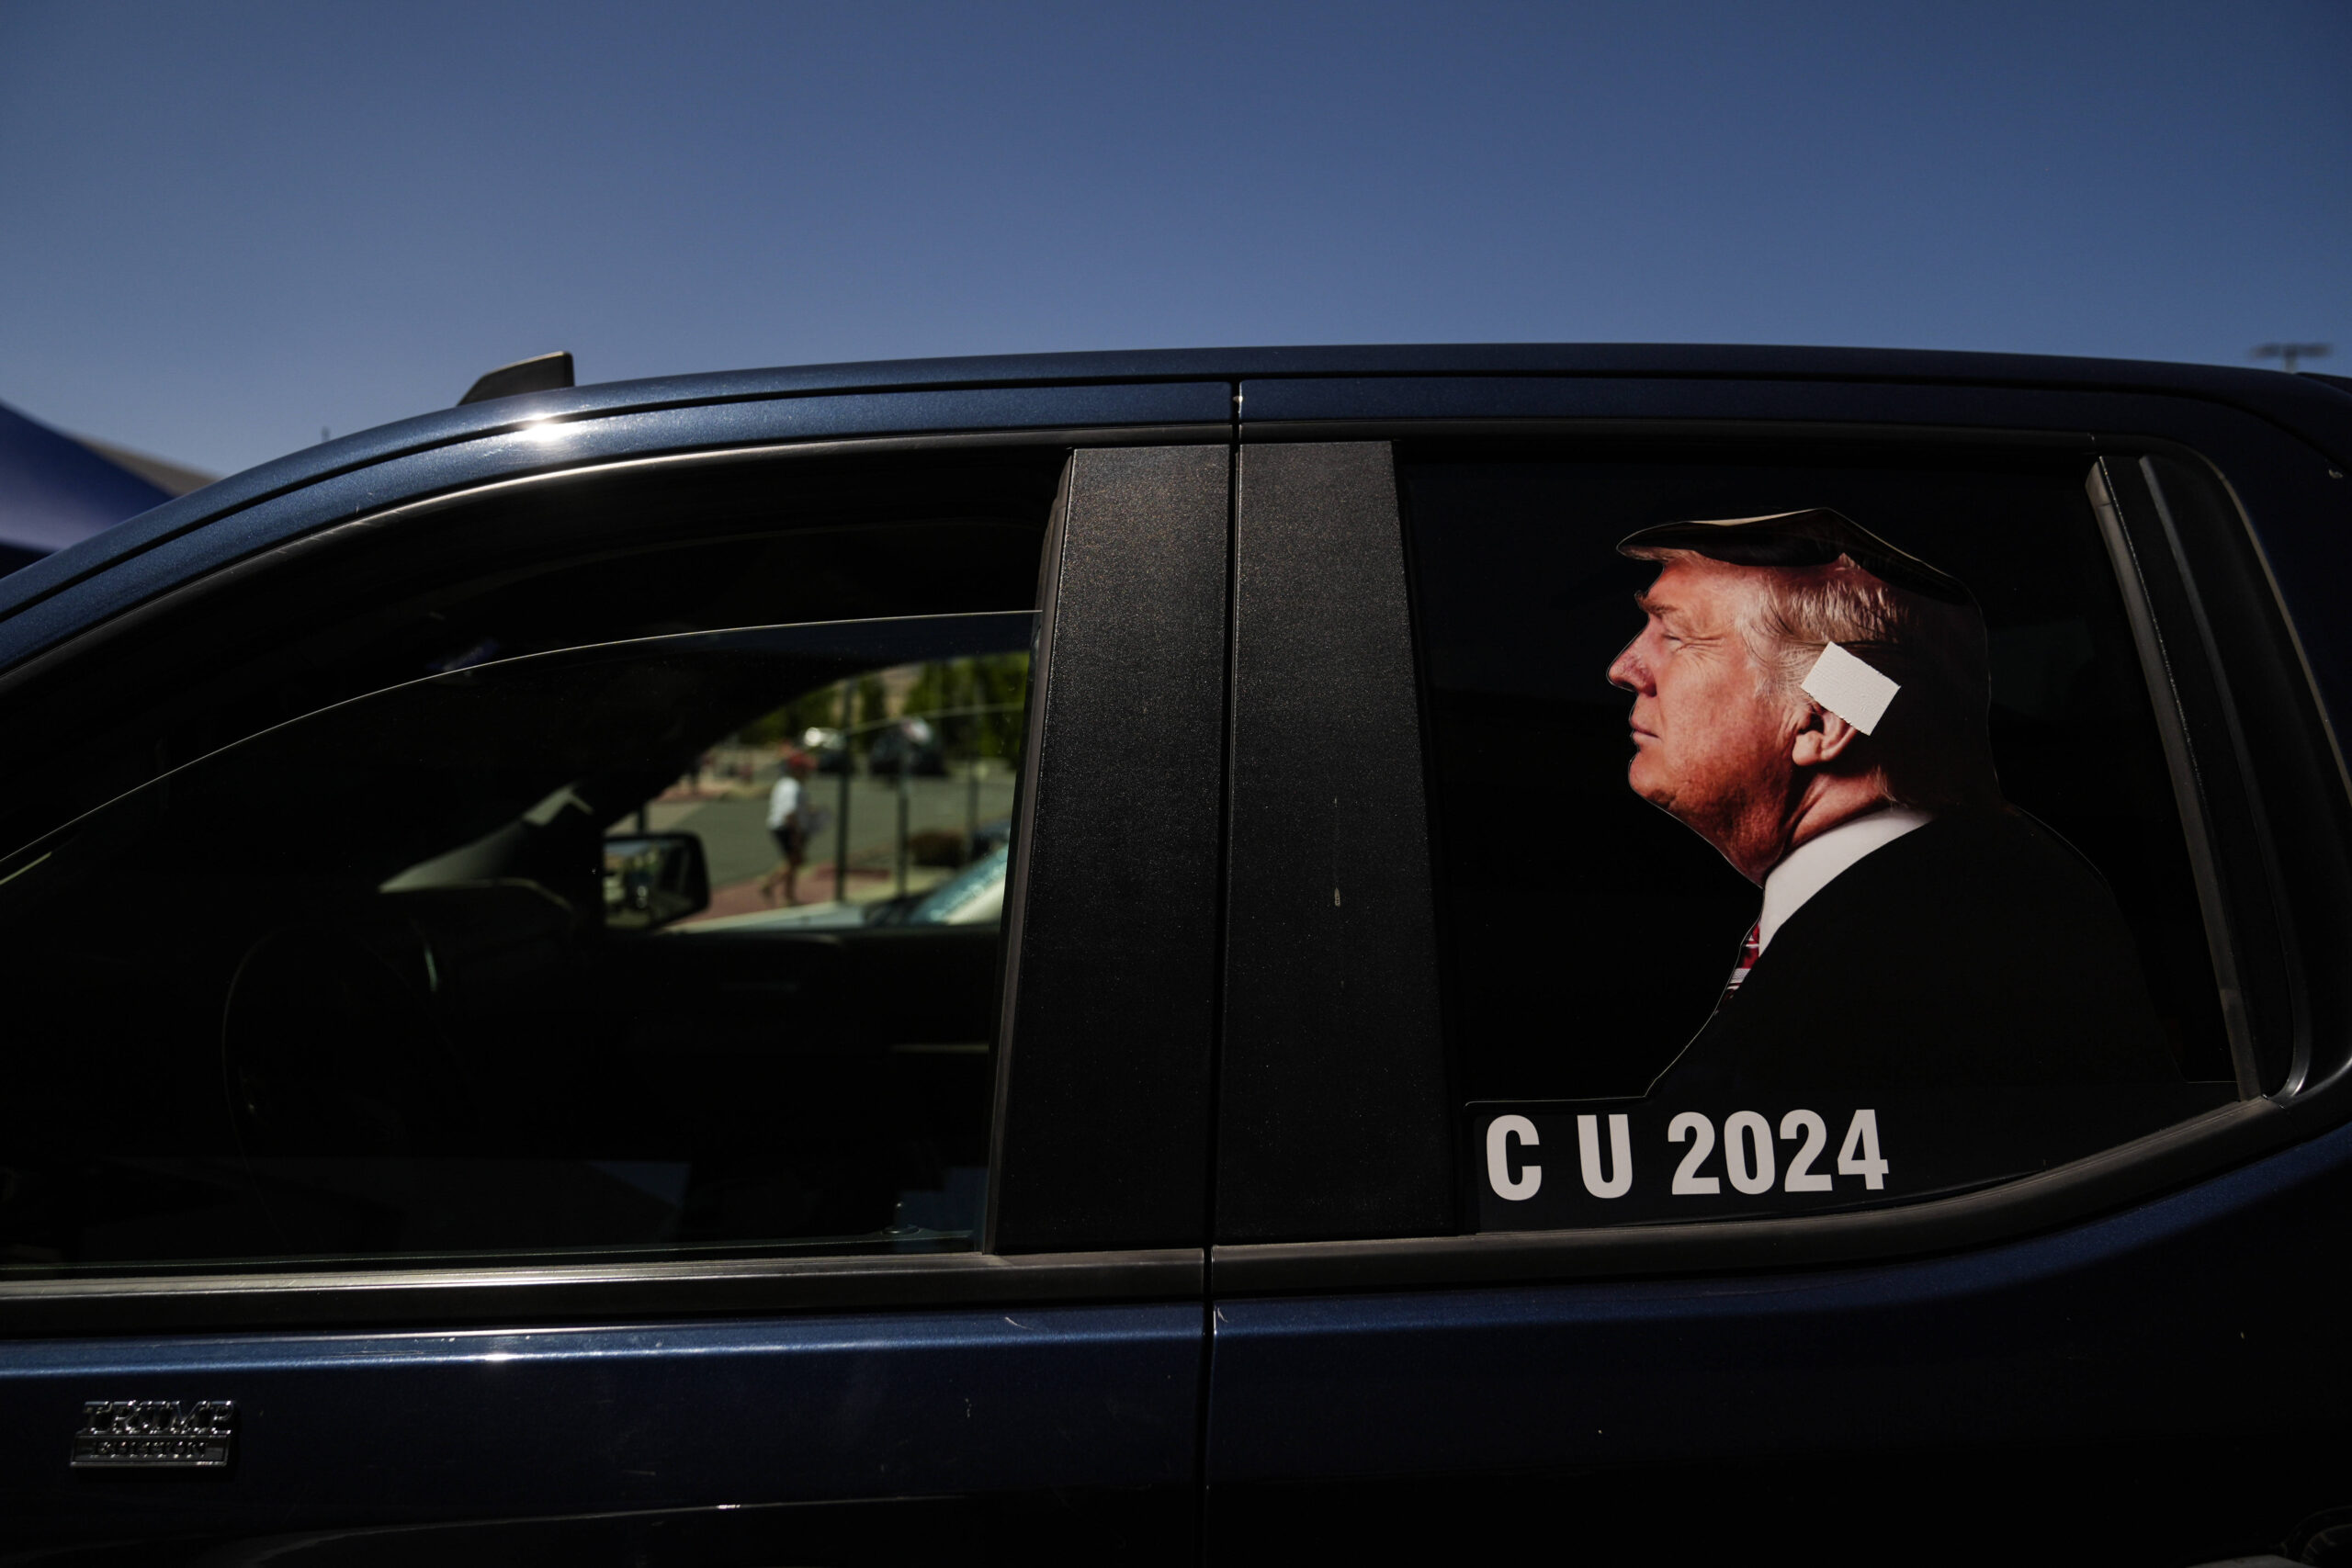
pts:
[155, 1434]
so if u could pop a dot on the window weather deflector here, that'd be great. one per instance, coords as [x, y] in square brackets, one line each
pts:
[952, 636]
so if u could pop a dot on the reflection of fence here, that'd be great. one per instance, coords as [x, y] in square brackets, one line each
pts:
[908, 753]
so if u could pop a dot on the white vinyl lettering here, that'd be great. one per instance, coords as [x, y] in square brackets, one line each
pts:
[1688, 1183]
[1747, 1136]
[1621, 1154]
[1859, 1154]
[1801, 1176]
[1499, 1131]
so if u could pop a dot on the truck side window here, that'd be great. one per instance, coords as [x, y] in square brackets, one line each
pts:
[1805, 835]
[615, 876]
[500, 962]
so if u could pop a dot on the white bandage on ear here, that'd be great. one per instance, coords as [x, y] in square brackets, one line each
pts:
[1849, 688]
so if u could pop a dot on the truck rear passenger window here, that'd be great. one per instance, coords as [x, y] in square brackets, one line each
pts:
[1805, 838]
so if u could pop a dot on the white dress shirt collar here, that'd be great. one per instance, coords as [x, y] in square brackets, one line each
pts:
[1813, 864]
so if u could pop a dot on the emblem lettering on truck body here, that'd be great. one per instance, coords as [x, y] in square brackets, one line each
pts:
[155, 1434]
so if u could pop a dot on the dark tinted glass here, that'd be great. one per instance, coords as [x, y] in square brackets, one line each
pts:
[608, 949]
[558, 562]
[1590, 935]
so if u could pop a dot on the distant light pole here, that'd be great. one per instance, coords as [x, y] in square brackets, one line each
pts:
[840, 828]
[2290, 354]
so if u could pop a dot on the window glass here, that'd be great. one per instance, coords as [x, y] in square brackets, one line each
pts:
[644, 550]
[1820, 853]
[686, 943]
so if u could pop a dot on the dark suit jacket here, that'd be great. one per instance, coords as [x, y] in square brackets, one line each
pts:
[1979, 949]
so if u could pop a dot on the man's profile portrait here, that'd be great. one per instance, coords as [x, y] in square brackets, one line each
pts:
[1814, 702]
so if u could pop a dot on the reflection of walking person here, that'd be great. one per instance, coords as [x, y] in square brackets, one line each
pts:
[788, 823]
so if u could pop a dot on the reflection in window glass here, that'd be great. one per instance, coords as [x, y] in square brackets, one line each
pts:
[682, 944]
[1752, 903]
[903, 776]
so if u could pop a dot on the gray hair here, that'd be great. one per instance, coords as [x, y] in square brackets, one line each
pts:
[1933, 747]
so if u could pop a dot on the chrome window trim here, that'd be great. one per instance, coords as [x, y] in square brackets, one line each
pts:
[580, 1293]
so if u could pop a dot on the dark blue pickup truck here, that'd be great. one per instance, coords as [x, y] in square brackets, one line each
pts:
[505, 1060]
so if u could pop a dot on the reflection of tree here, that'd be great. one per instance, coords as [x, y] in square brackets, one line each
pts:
[812, 710]
[873, 700]
[975, 704]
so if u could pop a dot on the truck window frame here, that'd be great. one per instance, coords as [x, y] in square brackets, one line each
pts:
[1141, 495]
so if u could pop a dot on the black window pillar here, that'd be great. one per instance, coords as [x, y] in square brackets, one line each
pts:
[1103, 1086]
[1332, 1119]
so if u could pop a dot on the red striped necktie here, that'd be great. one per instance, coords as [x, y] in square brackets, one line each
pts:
[1749, 946]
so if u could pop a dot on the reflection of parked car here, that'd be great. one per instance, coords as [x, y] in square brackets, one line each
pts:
[991, 836]
[973, 897]
[911, 744]
[824, 743]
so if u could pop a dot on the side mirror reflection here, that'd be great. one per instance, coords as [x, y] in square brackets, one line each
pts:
[651, 879]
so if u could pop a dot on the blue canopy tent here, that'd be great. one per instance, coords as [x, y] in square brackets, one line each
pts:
[54, 491]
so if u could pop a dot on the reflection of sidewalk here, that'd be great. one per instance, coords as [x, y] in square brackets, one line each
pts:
[736, 844]
[815, 886]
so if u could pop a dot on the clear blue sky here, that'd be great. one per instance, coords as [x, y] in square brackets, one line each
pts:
[224, 226]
